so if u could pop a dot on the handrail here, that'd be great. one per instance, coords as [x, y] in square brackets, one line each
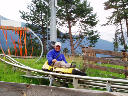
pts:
[40, 43]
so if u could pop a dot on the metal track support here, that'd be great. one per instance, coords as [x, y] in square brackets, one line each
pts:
[14, 68]
[76, 85]
[28, 73]
[108, 86]
[53, 81]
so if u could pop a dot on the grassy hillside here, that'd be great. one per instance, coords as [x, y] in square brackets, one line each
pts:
[9, 75]
[95, 72]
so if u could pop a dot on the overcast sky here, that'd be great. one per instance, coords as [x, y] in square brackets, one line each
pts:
[10, 10]
[107, 32]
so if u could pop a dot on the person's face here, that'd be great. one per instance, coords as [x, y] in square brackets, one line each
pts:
[57, 48]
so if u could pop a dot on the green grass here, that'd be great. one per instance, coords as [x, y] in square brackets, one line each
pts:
[95, 72]
[113, 66]
[32, 62]
[7, 74]
[103, 74]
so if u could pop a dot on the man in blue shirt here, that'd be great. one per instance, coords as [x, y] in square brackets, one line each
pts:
[55, 57]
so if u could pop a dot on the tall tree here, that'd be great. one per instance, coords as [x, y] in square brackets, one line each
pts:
[37, 18]
[76, 12]
[119, 15]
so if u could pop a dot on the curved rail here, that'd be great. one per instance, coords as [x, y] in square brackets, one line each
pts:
[40, 43]
[77, 80]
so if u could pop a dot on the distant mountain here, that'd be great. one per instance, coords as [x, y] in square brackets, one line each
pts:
[3, 18]
[9, 40]
[101, 44]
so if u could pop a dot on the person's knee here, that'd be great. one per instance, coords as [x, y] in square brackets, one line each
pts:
[57, 64]
[62, 62]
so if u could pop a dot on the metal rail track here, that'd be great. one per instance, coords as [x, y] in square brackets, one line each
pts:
[79, 82]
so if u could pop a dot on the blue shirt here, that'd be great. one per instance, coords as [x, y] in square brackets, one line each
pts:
[52, 54]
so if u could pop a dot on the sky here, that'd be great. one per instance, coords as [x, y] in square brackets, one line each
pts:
[107, 32]
[10, 10]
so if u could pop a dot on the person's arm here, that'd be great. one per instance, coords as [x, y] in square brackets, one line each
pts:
[50, 57]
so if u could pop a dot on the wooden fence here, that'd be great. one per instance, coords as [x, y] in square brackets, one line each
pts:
[90, 60]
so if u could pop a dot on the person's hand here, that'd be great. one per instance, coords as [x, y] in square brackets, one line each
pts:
[54, 60]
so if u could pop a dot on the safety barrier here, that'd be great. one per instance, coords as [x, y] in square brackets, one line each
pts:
[79, 82]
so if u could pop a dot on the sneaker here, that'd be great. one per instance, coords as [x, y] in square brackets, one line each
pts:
[73, 63]
[82, 70]
[73, 66]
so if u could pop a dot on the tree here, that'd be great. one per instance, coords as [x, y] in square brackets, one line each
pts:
[74, 13]
[0, 51]
[37, 18]
[119, 15]
[65, 50]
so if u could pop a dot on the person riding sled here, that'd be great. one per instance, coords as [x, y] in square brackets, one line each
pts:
[57, 59]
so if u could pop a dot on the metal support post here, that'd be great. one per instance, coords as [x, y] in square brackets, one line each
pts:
[53, 33]
[51, 79]
[28, 73]
[108, 86]
[14, 68]
[76, 85]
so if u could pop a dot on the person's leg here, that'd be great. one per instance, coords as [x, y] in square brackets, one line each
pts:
[63, 64]
[57, 64]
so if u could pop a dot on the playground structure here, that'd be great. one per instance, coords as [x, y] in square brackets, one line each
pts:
[20, 31]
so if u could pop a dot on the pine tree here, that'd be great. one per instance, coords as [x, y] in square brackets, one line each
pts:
[119, 15]
[37, 18]
[73, 12]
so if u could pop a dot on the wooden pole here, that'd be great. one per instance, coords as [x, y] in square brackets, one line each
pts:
[125, 59]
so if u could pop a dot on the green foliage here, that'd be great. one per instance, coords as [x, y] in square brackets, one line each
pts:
[38, 19]
[62, 36]
[65, 50]
[115, 42]
[0, 51]
[67, 14]
[72, 12]
[78, 14]
[119, 15]
[92, 38]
